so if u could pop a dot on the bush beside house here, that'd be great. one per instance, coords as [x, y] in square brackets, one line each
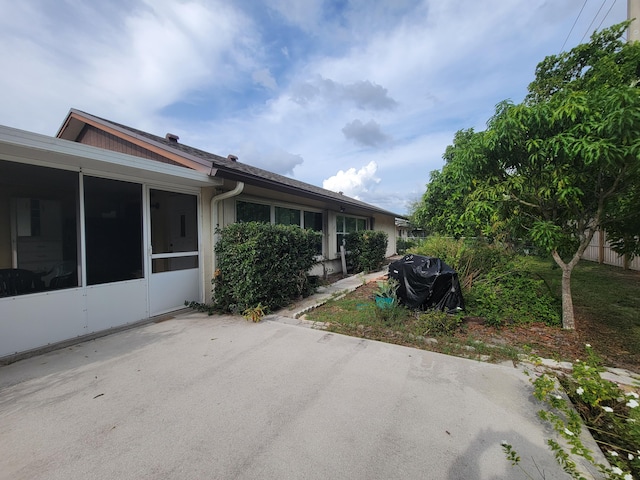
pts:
[262, 264]
[366, 250]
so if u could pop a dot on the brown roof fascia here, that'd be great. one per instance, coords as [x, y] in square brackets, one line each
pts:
[135, 139]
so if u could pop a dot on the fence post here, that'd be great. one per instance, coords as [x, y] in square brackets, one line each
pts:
[601, 246]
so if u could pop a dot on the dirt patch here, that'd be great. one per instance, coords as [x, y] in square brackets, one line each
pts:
[540, 339]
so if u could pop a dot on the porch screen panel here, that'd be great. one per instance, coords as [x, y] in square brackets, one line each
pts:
[39, 228]
[113, 219]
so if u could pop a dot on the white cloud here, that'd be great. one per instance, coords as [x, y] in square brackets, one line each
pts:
[264, 79]
[128, 65]
[354, 183]
[305, 15]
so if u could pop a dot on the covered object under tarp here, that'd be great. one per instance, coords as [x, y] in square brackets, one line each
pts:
[427, 283]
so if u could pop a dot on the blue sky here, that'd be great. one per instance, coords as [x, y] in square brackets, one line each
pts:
[358, 96]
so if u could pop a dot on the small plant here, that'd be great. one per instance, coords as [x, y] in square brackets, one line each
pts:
[390, 314]
[385, 294]
[437, 323]
[254, 314]
[387, 288]
[611, 414]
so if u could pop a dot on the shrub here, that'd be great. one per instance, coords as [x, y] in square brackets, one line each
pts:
[262, 264]
[437, 323]
[366, 250]
[403, 245]
[512, 295]
[471, 258]
[495, 281]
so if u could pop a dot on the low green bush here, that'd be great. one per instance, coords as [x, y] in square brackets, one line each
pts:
[511, 295]
[436, 323]
[497, 283]
[471, 258]
[262, 264]
[403, 245]
[366, 250]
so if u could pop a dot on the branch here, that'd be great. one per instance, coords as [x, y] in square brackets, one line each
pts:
[524, 202]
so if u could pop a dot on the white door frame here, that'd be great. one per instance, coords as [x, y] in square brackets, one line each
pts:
[169, 290]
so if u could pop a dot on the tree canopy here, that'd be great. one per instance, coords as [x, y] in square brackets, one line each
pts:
[558, 166]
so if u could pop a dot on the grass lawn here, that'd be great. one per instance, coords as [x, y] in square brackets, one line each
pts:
[606, 302]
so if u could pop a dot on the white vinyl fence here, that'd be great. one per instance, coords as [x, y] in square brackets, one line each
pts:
[600, 251]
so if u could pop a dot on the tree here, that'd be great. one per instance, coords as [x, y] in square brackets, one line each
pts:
[557, 167]
[568, 157]
[443, 205]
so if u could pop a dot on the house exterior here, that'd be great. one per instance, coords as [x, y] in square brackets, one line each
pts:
[106, 226]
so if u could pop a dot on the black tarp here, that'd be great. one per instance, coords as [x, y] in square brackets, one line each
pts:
[427, 283]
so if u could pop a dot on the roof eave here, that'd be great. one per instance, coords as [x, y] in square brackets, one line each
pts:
[256, 181]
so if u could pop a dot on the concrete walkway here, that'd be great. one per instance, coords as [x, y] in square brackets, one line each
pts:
[325, 293]
[221, 398]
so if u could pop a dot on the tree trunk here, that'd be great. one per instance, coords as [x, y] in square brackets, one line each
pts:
[568, 318]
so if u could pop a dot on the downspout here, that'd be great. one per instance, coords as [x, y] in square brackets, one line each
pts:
[214, 218]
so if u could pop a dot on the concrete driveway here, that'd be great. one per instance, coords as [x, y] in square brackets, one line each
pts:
[199, 397]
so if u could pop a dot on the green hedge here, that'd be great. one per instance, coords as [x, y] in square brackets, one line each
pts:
[259, 263]
[366, 250]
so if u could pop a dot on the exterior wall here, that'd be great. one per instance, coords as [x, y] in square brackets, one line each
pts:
[97, 138]
[331, 263]
[50, 314]
[36, 320]
[387, 224]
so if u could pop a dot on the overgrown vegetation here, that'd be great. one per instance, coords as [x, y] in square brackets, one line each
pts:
[611, 414]
[262, 265]
[497, 284]
[366, 250]
[518, 179]
[514, 293]
[513, 296]
[403, 245]
[471, 258]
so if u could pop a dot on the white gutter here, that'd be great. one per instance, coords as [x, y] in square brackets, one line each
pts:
[214, 218]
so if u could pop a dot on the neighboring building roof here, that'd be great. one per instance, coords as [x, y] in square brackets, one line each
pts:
[200, 160]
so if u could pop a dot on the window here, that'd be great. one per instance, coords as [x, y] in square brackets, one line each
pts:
[38, 229]
[260, 212]
[252, 212]
[346, 225]
[287, 216]
[313, 221]
[113, 220]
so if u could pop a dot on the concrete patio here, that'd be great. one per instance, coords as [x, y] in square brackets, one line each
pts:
[218, 397]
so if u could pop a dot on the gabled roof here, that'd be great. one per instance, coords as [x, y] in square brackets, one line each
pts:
[214, 165]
